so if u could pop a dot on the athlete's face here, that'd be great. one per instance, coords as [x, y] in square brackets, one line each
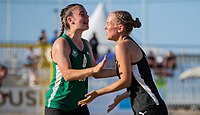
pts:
[80, 18]
[111, 28]
[3, 73]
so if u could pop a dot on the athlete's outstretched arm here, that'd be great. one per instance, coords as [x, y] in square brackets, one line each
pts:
[103, 73]
[60, 55]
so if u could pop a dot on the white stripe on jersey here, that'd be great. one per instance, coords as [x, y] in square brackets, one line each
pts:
[139, 79]
[57, 83]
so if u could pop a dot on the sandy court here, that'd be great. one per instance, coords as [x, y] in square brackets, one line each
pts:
[184, 112]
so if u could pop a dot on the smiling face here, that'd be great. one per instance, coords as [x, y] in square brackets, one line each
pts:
[111, 28]
[80, 19]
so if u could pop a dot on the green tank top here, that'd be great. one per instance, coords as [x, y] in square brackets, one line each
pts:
[66, 94]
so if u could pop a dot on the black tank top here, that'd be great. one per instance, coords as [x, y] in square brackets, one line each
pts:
[144, 94]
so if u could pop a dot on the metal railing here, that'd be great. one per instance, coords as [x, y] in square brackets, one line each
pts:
[179, 93]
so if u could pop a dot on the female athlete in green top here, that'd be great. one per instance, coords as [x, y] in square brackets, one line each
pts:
[73, 63]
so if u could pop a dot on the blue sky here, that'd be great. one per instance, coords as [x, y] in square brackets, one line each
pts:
[168, 21]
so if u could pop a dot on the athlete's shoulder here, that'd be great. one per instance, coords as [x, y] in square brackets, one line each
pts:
[121, 45]
[60, 41]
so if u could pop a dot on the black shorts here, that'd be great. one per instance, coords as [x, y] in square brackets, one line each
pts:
[159, 110]
[80, 111]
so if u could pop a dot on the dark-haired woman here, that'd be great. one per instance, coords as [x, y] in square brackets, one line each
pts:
[73, 63]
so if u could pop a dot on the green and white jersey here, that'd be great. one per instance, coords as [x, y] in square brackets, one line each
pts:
[66, 94]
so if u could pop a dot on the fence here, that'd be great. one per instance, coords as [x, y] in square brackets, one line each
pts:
[24, 97]
[27, 82]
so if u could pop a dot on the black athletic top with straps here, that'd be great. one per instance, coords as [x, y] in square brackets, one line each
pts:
[143, 92]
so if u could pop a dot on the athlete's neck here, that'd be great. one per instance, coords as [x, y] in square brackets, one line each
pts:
[121, 38]
[74, 35]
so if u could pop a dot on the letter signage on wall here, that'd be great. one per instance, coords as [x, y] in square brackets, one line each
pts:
[19, 100]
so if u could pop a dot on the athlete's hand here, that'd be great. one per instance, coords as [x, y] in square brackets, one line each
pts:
[117, 99]
[89, 97]
[99, 66]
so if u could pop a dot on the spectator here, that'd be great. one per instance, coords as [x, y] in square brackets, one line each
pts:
[94, 43]
[159, 70]
[31, 57]
[151, 59]
[31, 65]
[3, 73]
[170, 63]
[54, 37]
[43, 37]
[160, 77]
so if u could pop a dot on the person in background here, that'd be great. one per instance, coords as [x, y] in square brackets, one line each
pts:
[73, 63]
[160, 69]
[3, 73]
[132, 68]
[43, 38]
[160, 76]
[170, 64]
[53, 39]
[94, 43]
[31, 64]
[151, 60]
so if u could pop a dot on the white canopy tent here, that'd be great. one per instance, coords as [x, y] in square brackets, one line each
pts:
[97, 23]
[191, 73]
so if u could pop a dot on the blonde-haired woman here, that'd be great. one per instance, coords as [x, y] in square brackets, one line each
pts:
[132, 67]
